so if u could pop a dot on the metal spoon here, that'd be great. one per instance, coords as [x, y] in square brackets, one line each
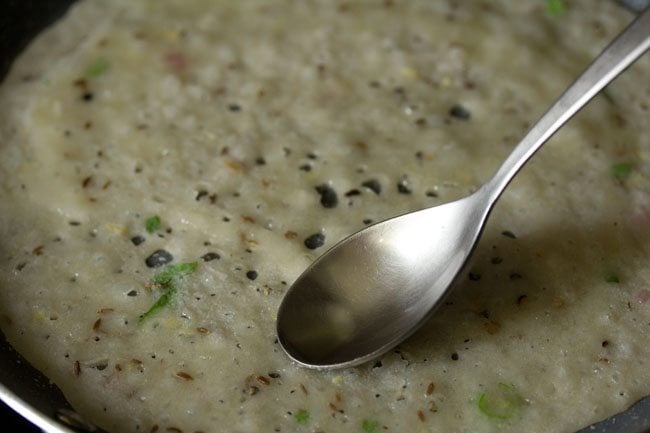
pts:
[375, 288]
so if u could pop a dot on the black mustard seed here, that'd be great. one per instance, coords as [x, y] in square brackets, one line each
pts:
[459, 112]
[373, 185]
[158, 258]
[315, 241]
[328, 197]
[207, 257]
[137, 240]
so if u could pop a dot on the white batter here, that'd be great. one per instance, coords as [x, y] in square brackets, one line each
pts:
[245, 138]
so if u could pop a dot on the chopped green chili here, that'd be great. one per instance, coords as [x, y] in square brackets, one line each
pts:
[500, 402]
[555, 7]
[96, 68]
[302, 416]
[621, 170]
[370, 425]
[152, 224]
[612, 278]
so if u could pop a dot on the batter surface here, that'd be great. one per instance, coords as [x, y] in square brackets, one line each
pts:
[167, 169]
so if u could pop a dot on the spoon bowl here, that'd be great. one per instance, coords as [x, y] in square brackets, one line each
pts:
[375, 288]
[395, 273]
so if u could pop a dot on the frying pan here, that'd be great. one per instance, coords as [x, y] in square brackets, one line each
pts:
[23, 388]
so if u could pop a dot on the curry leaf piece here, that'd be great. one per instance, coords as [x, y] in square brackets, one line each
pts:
[169, 274]
[168, 281]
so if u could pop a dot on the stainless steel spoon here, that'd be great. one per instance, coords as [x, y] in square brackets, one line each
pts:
[375, 288]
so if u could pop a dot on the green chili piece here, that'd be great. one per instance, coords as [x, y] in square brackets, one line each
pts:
[621, 170]
[370, 425]
[152, 224]
[96, 68]
[555, 7]
[501, 402]
[302, 416]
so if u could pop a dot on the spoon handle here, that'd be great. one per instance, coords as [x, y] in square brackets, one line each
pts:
[623, 51]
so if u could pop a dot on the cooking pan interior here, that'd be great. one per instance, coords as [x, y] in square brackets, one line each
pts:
[20, 21]
[22, 387]
[29, 392]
